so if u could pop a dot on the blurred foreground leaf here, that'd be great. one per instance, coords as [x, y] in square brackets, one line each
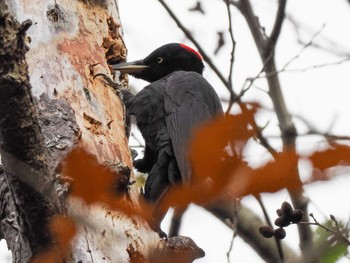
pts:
[330, 247]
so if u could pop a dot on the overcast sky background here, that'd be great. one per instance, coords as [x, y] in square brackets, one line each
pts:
[320, 95]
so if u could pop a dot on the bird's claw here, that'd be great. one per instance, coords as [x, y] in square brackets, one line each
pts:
[117, 87]
[162, 234]
[155, 226]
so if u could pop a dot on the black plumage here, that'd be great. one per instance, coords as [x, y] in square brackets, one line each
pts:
[167, 111]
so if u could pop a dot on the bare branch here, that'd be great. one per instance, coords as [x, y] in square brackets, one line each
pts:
[263, 140]
[234, 3]
[233, 44]
[276, 30]
[253, 24]
[286, 124]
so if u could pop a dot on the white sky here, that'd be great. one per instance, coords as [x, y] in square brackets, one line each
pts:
[320, 95]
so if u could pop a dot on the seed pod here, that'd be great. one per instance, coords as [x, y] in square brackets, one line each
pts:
[279, 212]
[282, 221]
[280, 233]
[287, 209]
[297, 216]
[266, 231]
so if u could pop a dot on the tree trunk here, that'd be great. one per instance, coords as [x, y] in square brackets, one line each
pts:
[50, 103]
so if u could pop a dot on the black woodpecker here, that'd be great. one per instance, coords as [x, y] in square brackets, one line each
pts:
[167, 111]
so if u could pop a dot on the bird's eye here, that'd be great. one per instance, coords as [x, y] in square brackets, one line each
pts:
[159, 60]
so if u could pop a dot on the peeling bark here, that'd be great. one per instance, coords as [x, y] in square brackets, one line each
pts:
[49, 104]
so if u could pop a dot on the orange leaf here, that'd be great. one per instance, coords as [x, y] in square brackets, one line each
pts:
[62, 230]
[96, 183]
[91, 181]
[331, 157]
[207, 153]
[51, 256]
[276, 175]
[211, 163]
[216, 171]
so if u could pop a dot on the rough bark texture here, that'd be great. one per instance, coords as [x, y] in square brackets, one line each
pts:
[28, 189]
[67, 107]
[50, 103]
[11, 224]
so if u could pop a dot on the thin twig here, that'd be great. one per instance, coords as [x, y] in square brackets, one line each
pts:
[308, 68]
[233, 226]
[262, 70]
[329, 46]
[335, 222]
[230, 81]
[328, 137]
[336, 232]
[312, 129]
[309, 43]
[283, 69]
[231, 246]
[264, 142]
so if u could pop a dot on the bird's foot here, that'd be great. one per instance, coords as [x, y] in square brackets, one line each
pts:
[117, 87]
[156, 228]
[162, 234]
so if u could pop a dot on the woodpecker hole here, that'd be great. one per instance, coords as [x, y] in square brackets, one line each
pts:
[60, 19]
[113, 45]
[55, 14]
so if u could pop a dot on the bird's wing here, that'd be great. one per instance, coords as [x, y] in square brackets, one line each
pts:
[145, 104]
[189, 101]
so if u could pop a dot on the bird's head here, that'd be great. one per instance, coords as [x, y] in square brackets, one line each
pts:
[163, 61]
